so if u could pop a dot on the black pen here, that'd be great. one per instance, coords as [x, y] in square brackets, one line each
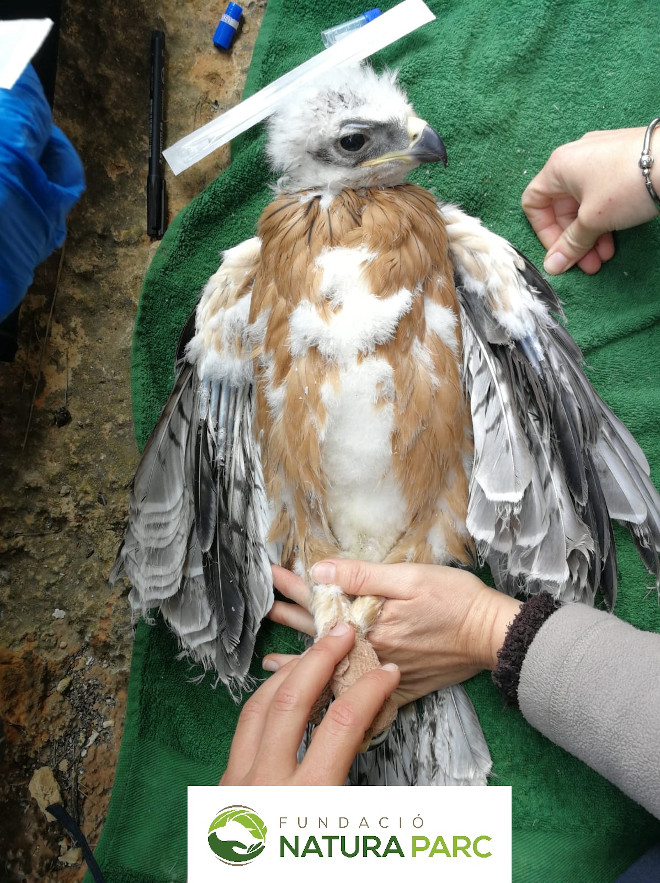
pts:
[156, 207]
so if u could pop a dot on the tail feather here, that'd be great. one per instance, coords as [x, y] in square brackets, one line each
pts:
[435, 741]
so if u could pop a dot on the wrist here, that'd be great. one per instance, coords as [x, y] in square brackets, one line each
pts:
[490, 615]
[505, 612]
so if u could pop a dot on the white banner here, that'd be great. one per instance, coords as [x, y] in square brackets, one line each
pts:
[457, 835]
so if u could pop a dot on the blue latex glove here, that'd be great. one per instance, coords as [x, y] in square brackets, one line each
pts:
[41, 178]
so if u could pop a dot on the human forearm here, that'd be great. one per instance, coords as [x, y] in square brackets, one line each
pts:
[591, 683]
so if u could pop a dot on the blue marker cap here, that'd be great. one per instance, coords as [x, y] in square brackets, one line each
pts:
[371, 14]
[227, 26]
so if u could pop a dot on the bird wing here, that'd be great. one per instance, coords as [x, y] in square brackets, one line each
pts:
[552, 464]
[195, 544]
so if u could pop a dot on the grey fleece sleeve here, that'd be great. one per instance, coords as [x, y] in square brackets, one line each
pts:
[591, 683]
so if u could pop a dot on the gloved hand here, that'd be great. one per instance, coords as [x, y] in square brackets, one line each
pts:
[41, 178]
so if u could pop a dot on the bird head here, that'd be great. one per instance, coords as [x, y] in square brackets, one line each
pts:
[353, 129]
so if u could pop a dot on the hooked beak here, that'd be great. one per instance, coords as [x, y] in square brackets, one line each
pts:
[425, 146]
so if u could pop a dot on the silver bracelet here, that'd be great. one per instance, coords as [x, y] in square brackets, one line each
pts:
[646, 161]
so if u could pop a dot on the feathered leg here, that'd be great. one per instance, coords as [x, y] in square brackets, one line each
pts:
[329, 605]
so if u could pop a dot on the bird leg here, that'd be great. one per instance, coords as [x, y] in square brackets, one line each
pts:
[330, 606]
[365, 610]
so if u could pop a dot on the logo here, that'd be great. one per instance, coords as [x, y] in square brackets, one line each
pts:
[237, 835]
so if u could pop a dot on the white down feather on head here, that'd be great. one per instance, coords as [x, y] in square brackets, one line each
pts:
[302, 134]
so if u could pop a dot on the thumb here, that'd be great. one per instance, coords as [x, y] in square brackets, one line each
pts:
[362, 577]
[576, 240]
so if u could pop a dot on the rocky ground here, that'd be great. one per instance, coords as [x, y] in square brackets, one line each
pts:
[66, 430]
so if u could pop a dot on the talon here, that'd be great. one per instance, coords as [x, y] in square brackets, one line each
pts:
[375, 741]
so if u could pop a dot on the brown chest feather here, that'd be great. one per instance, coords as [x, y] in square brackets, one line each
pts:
[403, 233]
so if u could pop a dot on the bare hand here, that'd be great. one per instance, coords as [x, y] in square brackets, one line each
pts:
[273, 721]
[440, 625]
[585, 190]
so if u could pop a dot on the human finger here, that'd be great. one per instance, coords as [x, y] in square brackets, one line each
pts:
[290, 585]
[547, 194]
[366, 578]
[340, 734]
[553, 209]
[276, 661]
[543, 219]
[290, 706]
[566, 212]
[292, 615]
[590, 263]
[251, 723]
[573, 244]
[605, 246]
[602, 251]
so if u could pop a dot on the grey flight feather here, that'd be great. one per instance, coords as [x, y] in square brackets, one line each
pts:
[552, 464]
[195, 545]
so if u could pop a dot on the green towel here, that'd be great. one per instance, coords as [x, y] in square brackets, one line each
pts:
[503, 83]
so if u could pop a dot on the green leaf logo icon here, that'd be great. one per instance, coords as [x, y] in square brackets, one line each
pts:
[237, 835]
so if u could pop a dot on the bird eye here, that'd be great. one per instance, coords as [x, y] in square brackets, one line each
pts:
[353, 142]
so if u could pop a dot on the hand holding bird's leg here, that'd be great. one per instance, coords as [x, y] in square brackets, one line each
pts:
[315, 612]
[440, 625]
[265, 745]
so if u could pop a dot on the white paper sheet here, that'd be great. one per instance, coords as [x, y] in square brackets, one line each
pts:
[19, 41]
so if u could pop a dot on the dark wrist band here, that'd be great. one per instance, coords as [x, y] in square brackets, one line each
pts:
[520, 635]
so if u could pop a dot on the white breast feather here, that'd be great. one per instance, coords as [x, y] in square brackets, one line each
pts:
[441, 320]
[361, 321]
[366, 508]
